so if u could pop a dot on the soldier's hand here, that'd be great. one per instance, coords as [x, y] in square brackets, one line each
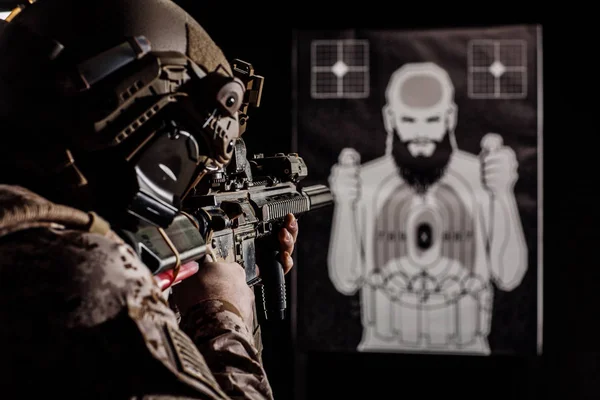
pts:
[216, 281]
[287, 239]
[227, 281]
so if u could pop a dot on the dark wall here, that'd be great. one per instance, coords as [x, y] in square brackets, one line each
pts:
[569, 365]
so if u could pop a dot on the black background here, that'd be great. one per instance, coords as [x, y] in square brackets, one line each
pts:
[569, 365]
[262, 34]
[330, 321]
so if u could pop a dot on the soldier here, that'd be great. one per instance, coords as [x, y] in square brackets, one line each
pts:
[110, 110]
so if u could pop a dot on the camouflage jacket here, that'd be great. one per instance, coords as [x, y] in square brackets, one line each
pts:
[82, 317]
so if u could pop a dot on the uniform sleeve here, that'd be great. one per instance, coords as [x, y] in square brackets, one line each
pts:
[228, 346]
[85, 319]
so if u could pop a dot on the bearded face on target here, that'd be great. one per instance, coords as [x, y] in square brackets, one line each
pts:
[420, 117]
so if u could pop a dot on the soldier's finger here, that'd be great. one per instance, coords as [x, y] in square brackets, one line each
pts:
[287, 262]
[291, 224]
[286, 241]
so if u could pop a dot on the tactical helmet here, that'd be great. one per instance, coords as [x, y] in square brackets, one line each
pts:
[117, 105]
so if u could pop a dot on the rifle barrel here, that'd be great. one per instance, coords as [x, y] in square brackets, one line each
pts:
[318, 195]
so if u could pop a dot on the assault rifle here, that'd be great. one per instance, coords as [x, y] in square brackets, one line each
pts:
[234, 215]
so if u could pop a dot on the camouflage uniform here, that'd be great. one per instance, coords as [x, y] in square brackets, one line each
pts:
[82, 317]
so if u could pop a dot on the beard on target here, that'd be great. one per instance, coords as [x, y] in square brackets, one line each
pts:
[421, 172]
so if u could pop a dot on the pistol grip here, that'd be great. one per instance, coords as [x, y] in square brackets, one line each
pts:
[273, 286]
